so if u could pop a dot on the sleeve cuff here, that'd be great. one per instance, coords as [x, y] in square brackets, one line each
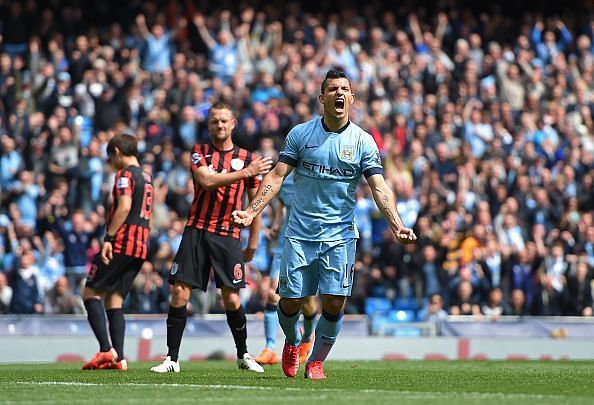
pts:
[374, 170]
[288, 160]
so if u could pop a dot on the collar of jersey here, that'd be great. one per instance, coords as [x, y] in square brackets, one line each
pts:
[340, 130]
[221, 150]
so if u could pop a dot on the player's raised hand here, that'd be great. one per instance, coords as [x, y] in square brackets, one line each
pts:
[241, 219]
[106, 252]
[405, 236]
[260, 165]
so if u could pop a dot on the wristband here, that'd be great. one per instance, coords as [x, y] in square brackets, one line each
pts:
[108, 238]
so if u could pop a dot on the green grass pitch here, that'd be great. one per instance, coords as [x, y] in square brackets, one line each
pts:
[370, 382]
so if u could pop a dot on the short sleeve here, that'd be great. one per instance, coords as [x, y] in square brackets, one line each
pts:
[371, 161]
[124, 183]
[289, 153]
[197, 158]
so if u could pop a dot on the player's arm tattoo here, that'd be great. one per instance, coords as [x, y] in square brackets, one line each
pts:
[256, 204]
[261, 200]
[387, 210]
[390, 212]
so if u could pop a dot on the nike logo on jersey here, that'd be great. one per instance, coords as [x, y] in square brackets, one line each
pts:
[310, 146]
[236, 281]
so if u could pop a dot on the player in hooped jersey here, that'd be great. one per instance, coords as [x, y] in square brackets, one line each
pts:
[223, 174]
[329, 155]
[122, 254]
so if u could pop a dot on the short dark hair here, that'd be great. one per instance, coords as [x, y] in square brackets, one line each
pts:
[125, 142]
[219, 105]
[334, 73]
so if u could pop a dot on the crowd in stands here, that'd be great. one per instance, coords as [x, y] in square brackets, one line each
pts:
[484, 121]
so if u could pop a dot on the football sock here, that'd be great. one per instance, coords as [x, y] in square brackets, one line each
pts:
[176, 322]
[309, 324]
[328, 327]
[238, 324]
[290, 325]
[270, 325]
[117, 330]
[96, 317]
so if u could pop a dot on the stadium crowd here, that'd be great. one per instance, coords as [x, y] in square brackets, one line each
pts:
[484, 121]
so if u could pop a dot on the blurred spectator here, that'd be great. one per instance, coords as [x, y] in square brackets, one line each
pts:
[495, 306]
[61, 300]
[158, 46]
[77, 236]
[434, 312]
[518, 306]
[579, 291]
[26, 294]
[5, 294]
[148, 295]
[463, 301]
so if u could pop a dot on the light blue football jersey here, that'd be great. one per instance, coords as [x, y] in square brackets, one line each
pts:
[328, 166]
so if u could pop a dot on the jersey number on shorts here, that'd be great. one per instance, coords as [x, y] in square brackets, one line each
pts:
[147, 202]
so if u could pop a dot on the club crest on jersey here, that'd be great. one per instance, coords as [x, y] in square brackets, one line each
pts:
[237, 164]
[174, 268]
[196, 158]
[347, 153]
[123, 182]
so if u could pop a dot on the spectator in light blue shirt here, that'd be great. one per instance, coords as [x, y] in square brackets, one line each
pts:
[158, 45]
[10, 162]
[547, 47]
[223, 55]
[26, 195]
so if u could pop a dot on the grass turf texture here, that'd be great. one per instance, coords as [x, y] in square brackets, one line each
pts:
[371, 382]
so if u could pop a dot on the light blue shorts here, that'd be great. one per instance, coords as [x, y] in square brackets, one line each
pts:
[309, 267]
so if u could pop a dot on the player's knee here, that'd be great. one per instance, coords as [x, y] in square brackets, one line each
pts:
[180, 295]
[231, 298]
[309, 306]
[89, 293]
[333, 305]
[290, 305]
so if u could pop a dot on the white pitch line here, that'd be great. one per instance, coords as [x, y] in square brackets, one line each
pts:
[407, 394]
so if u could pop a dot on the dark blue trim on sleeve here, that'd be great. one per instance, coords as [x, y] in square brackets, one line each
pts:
[288, 160]
[374, 170]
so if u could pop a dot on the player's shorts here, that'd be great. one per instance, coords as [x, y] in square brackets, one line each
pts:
[117, 276]
[200, 251]
[309, 267]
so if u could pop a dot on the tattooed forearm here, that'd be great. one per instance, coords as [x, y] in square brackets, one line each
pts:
[267, 190]
[256, 204]
[387, 211]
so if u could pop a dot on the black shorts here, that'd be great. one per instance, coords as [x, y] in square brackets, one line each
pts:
[200, 251]
[117, 276]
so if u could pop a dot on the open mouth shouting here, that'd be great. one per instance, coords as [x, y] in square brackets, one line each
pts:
[339, 105]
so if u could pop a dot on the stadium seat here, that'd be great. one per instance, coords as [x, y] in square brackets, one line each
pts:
[402, 315]
[406, 304]
[374, 305]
